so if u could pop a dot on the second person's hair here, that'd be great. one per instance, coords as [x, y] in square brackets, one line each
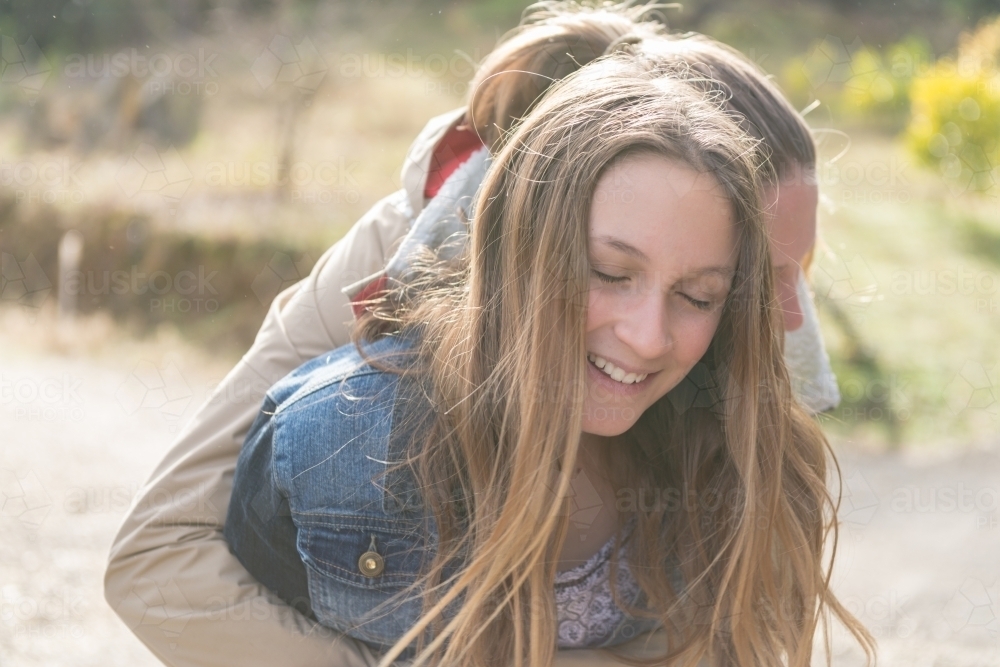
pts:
[553, 39]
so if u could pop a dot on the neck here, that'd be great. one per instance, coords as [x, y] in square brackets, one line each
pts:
[592, 450]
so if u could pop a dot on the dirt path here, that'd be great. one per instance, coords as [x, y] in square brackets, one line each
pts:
[919, 560]
[80, 431]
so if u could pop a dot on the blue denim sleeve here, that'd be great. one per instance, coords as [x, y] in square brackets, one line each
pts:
[259, 527]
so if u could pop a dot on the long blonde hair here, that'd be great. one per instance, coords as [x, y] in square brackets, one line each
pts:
[501, 349]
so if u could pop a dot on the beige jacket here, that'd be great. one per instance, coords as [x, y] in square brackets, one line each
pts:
[170, 575]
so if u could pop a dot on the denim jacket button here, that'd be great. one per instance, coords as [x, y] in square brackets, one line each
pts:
[371, 563]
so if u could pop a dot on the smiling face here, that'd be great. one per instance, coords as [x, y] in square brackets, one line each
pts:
[662, 256]
[792, 224]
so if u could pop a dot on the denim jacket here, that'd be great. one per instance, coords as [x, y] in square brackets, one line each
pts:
[308, 501]
[310, 495]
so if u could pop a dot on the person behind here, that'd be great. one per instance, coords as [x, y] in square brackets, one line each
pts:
[616, 242]
[170, 575]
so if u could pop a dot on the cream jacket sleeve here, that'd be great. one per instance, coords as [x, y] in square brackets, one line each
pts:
[170, 575]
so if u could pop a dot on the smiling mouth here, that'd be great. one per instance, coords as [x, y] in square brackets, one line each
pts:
[615, 373]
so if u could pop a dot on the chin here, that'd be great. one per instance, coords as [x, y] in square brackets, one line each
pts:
[604, 422]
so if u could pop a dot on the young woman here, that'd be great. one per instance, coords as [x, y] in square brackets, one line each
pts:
[170, 574]
[410, 490]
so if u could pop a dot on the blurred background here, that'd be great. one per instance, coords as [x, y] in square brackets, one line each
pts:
[166, 168]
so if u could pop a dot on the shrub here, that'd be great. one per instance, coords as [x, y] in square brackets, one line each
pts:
[955, 113]
[858, 82]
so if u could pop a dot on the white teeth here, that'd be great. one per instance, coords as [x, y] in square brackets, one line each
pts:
[616, 373]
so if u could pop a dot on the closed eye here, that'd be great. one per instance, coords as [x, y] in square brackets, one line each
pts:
[700, 305]
[603, 277]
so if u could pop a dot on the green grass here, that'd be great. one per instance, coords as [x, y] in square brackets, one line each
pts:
[912, 271]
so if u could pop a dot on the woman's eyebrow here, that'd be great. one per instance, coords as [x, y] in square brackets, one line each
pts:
[623, 247]
[724, 271]
[630, 250]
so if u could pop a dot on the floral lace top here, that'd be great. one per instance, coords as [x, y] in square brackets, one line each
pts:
[587, 615]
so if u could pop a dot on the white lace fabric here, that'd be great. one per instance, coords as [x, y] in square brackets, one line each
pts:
[586, 614]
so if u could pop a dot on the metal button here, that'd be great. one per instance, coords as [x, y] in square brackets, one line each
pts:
[371, 563]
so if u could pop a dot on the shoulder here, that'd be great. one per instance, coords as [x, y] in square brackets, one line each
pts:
[327, 374]
[417, 164]
[341, 417]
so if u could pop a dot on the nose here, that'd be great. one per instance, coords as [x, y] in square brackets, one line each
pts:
[645, 327]
[788, 298]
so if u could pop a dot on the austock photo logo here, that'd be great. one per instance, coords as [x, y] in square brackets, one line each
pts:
[185, 291]
[52, 398]
[52, 181]
[859, 502]
[833, 61]
[846, 283]
[323, 182]
[702, 388]
[974, 389]
[24, 66]
[584, 504]
[148, 172]
[54, 613]
[23, 498]
[160, 73]
[884, 614]
[280, 273]
[973, 612]
[23, 282]
[154, 607]
[283, 61]
[161, 389]
[978, 287]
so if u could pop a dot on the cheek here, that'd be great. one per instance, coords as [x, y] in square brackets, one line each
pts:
[691, 340]
[692, 336]
[695, 334]
[600, 309]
